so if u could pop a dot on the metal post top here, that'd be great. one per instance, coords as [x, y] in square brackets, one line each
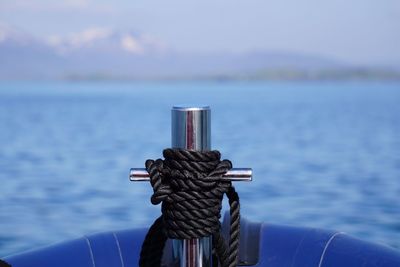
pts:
[190, 107]
[191, 127]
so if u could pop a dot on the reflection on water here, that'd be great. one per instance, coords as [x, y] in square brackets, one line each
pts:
[324, 154]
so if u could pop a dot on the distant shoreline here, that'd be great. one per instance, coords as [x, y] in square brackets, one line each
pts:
[291, 75]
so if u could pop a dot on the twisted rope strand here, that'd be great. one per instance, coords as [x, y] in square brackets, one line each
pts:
[188, 184]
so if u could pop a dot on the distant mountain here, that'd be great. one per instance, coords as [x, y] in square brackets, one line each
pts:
[105, 54]
[22, 55]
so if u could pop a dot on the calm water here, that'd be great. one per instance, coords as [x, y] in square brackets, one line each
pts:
[324, 154]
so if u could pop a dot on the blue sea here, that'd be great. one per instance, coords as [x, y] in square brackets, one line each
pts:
[324, 154]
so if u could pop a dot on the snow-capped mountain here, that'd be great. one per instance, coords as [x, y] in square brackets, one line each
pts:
[92, 51]
[105, 53]
[12, 35]
[23, 55]
[106, 40]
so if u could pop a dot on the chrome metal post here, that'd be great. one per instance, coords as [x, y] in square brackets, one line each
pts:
[191, 129]
[234, 175]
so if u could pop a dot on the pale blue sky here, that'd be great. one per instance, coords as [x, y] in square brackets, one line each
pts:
[354, 31]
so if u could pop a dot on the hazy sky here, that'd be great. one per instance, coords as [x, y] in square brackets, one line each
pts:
[355, 31]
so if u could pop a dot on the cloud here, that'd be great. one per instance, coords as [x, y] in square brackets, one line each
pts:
[131, 44]
[138, 44]
[79, 39]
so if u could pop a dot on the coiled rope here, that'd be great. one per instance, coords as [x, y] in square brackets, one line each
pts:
[190, 187]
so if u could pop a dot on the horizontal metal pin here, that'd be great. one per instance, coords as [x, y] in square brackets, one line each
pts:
[237, 174]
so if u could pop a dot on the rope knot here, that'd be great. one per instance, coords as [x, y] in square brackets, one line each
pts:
[190, 187]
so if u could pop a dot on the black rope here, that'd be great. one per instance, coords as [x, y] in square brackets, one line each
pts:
[188, 184]
[4, 264]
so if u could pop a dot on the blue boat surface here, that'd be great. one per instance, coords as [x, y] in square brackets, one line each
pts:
[261, 244]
